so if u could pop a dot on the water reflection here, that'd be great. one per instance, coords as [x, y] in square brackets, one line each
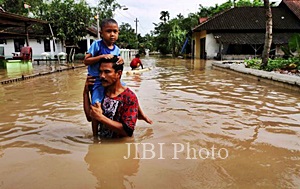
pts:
[107, 163]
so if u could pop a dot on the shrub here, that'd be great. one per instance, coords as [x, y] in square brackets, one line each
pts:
[79, 56]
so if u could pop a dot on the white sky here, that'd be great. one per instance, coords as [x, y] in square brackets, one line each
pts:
[148, 11]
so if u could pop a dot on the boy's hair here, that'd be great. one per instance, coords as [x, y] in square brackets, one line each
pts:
[113, 60]
[137, 56]
[107, 21]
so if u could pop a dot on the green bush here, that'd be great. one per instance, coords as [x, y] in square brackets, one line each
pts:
[279, 63]
[79, 56]
[254, 63]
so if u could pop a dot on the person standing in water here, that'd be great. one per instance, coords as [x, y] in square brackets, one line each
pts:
[104, 48]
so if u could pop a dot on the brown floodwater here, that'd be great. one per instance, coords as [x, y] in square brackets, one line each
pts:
[212, 129]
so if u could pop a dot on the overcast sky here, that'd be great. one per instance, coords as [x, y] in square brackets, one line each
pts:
[147, 12]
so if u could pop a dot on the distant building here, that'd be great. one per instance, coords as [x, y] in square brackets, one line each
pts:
[239, 32]
[18, 31]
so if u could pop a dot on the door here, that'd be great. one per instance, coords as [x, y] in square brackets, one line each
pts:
[202, 48]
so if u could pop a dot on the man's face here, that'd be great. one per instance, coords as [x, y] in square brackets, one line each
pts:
[108, 75]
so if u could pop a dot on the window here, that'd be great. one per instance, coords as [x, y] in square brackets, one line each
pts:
[47, 45]
[19, 43]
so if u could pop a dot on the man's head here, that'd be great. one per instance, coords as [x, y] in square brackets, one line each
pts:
[110, 71]
[137, 56]
[109, 31]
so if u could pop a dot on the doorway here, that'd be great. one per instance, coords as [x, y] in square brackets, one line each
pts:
[202, 48]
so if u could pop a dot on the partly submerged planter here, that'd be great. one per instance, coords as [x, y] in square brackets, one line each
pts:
[289, 80]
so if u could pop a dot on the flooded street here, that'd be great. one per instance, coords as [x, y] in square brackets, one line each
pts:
[212, 129]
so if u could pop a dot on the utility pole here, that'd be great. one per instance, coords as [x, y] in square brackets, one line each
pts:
[136, 23]
[136, 34]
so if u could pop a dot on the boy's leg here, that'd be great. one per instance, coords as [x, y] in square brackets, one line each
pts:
[142, 116]
[97, 97]
[95, 127]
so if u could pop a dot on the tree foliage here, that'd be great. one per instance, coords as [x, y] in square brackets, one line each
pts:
[127, 37]
[164, 16]
[294, 43]
[17, 6]
[106, 8]
[176, 38]
[68, 19]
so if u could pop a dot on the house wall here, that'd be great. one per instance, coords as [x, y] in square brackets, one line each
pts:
[197, 36]
[211, 46]
[37, 48]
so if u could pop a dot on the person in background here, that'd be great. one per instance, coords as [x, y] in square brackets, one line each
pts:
[136, 62]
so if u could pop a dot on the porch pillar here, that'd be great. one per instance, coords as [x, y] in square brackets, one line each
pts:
[27, 35]
[88, 43]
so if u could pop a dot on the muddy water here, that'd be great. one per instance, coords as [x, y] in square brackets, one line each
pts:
[211, 129]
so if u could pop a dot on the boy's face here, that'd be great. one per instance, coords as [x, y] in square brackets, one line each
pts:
[110, 33]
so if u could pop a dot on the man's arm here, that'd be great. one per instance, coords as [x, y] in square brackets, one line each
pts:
[128, 113]
[96, 113]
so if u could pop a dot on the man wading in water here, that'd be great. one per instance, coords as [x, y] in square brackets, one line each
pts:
[119, 111]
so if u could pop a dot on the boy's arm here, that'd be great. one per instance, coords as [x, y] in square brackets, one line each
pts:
[89, 59]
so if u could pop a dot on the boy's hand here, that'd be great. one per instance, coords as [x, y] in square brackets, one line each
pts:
[120, 61]
[108, 56]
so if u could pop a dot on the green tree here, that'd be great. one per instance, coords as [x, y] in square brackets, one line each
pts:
[68, 19]
[148, 42]
[164, 16]
[17, 6]
[106, 8]
[127, 37]
[161, 32]
[294, 44]
[176, 38]
[244, 3]
[258, 3]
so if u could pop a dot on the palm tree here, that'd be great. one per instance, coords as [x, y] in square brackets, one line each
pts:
[268, 35]
[165, 15]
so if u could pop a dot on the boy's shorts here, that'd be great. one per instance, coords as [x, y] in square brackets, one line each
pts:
[97, 93]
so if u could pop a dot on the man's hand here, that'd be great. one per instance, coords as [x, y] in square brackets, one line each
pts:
[96, 111]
